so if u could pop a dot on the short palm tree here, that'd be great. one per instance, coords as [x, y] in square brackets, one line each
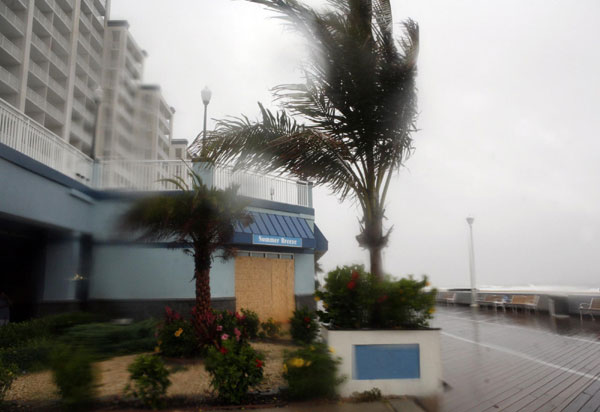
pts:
[359, 104]
[197, 217]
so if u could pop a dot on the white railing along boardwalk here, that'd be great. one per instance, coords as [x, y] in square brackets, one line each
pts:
[26, 136]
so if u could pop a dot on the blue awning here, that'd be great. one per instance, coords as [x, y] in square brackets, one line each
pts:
[269, 229]
[322, 245]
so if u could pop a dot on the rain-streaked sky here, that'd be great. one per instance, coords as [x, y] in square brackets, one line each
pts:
[509, 95]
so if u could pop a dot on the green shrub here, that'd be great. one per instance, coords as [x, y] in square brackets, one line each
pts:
[149, 380]
[107, 339]
[311, 372]
[355, 299]
[74, 375]
[304, 326]
[14, 334]
[234, 367]
[270, 329]
[29, 356]
[250, 323]
[57, 324]
[8, 374]
[177, 339]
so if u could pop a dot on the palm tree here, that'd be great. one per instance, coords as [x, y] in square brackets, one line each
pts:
[197, 217]
[358, 100]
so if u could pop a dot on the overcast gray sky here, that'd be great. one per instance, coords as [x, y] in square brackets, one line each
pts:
[509, 96]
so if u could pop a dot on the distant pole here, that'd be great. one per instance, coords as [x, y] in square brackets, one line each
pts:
[98, 95]
[470, 221]
[206, 95]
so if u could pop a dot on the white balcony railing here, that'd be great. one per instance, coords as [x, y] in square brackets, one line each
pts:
[30, 138]
[140, 174]
[20, 133]
[261, 186]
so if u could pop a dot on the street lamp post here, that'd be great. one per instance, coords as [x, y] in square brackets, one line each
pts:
[470, 221]
[206, 95]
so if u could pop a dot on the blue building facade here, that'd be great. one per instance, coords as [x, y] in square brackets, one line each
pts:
[61, 248]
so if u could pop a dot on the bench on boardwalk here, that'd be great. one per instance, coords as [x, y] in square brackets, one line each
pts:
[528, 302]
[446, 297]
[492, 300]
[589, 308]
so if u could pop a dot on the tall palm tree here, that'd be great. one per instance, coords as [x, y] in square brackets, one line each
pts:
[358, 100]
[197, 217]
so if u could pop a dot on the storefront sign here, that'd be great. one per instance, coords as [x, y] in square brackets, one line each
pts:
[276, 241]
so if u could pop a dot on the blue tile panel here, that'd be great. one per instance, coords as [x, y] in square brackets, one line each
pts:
[386, 362]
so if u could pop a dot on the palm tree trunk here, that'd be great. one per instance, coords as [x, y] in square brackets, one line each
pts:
[372, 238]
[202, 276]
[374, 227]
[376, 261]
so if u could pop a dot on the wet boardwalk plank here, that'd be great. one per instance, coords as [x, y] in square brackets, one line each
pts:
[518, 362]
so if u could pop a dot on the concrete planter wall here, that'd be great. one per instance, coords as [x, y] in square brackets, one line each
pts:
[397, 362]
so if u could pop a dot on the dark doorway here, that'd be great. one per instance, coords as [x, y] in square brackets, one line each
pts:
[21, 267]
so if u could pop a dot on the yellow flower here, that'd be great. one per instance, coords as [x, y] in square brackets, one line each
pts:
[331, 350]
[431, 310]
[178, 332]
[427, 283]
[325, 305]
[284, 368]
[317, 298]
[297, 362]
[308, 363]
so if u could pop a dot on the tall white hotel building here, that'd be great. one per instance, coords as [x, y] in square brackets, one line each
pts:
[58, 57]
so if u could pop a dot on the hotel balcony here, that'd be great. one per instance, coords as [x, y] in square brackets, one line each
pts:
[42, 24]
[86, 27]
[10, 54]
[10, 21]
[45, 51]
[62, 41]
[22, 134]
[63, 19]
[9, 83]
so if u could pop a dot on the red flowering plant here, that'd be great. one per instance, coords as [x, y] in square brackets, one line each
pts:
[176, 336]
[355, 299]
[211, 327]
[304, 326]
[234, 367]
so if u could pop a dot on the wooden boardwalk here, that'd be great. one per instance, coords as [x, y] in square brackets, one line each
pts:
[518, 362]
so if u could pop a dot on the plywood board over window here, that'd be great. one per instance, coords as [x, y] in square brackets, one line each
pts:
[265, 286]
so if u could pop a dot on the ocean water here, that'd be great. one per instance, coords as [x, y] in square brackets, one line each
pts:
[539, 288]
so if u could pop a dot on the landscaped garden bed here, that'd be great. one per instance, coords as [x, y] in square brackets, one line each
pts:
[190, 383]
[375, 342]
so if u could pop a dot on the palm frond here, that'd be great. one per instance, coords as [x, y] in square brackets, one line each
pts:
[358, 101]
